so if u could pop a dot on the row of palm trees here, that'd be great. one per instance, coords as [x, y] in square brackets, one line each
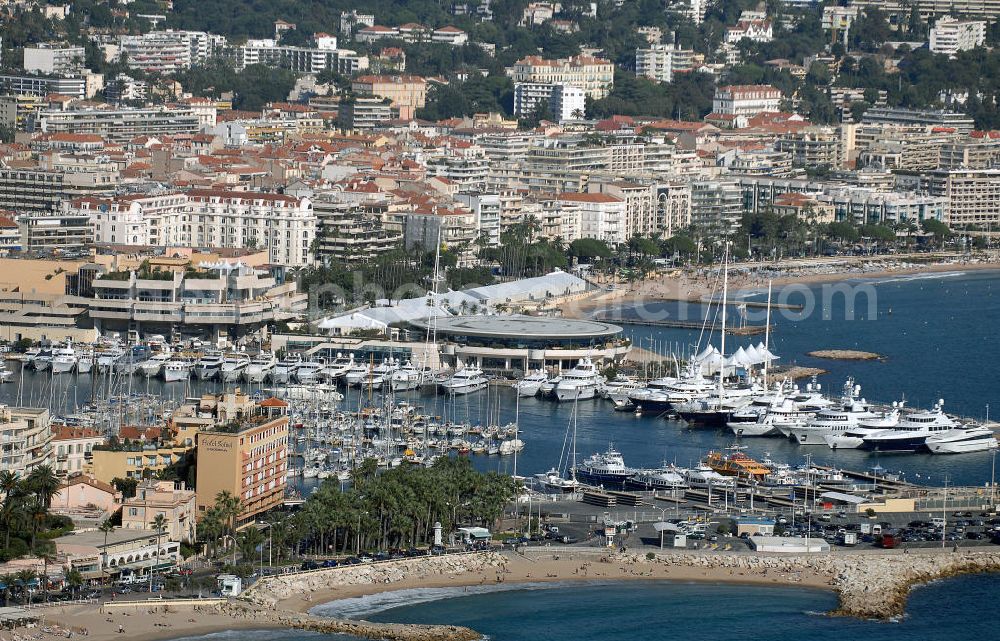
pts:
[24, 510]
[378, 512]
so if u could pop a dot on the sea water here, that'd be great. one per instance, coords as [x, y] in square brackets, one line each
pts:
[955, 609]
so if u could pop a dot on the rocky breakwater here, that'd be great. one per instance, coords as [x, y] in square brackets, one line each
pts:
[876, 586]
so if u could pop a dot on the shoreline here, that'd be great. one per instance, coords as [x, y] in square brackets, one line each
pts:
[693, 286]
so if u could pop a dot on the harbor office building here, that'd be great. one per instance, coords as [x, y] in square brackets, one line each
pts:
[520, 343]
[245, 455]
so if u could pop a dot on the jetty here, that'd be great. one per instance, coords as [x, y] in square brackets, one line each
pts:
[745, 330]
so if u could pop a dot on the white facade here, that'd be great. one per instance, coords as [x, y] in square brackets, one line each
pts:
[746, 100]
[949, 36]
[48, 58]
[284, 225]
[565, 102]
[169, 51]
[601, 216]
[755, 30]
[655, 63]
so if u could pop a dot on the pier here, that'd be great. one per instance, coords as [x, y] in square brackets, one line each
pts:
[745, 330]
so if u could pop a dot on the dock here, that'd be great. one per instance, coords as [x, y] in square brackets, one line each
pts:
[745, 330]
[755, 304]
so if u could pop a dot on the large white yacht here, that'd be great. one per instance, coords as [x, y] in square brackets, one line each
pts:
[465, 381]
[912, 431]
[531, 383]
[285, 368]
[178, 368]
[579, 383]
[308, 371]
[851, 410]
[336, 368]
[233, 366]
[409, 376]
[260, 367]
[153, 365]
[208, 366]
[961, 441]
[853, 438]
[63, 359]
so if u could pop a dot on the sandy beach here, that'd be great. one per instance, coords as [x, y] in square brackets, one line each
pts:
[695, 285]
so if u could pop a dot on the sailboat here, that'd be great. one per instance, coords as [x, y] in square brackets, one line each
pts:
[554, 479]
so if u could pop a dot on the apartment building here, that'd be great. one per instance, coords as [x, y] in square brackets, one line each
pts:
[564, 102]
[412, 32]
[169, 51]
[17, 111]
[973, 195]
[640, 203]
[73, 447]
[975, 152]
[322, 56]
[350, 20]
[716, 206]
[246, 455]
[406, 93]
[487, 209]
[950, 35]
[426, 228]
[813, 147]
[673, 207]
[283, 225]
[363, 113]
[25, 439]
[32, 191]
[351, 232]
[169, 498]
[660, 61]
[74, 86]
[52, 58]
[746, 100]
[933, 8]
[860, 205]
[838, 18]
[138, 459]
[594, 75]
[929, 118]
[602, 216]
[121, 125]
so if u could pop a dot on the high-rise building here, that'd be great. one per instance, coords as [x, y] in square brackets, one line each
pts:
[51, 58]
[594, 75]
[949, 35]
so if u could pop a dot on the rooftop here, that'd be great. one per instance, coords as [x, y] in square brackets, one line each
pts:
[529, 327]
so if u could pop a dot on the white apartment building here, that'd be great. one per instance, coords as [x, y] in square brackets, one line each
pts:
[746, 100]
[973, 195]
[594, 75]
[215, 219]
[656, 62]
[323, 56]
[486, 208]
[950, 35]
[53, 58]
[865, 205]
[602, 216]
[565, 102]
[169, 51]
[120, 125]
[25, 439]
[716, 206]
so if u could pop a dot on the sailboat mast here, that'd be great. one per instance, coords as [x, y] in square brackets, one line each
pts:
[725, 297]
[517, 418]
[767, 334]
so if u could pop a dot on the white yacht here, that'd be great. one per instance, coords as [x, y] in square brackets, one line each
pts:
[285, 368]
[531, 383]
[666, 478]
[717, 409]
[178, 368]
[233, 366]
[6, 375]
[106, 358]
[465, 381]
[962, 440]
[409, 376]
[336, 368]
[41, 359]
[548, 388]
[553, 480]
[621, 387]
[153, 365]
[260, 367]
[308, 371]
[382, 373]
[63, 359]
[208, 366]
[854, 437]
[579, 383]
[85, 361]
[357, 373]
[912, 431]
[835, 420]
[705, 477]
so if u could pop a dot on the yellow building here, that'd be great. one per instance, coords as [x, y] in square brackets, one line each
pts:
[246, 455]
[135, 461]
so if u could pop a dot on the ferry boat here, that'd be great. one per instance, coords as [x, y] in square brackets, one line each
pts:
[579, 383]
[737, 463]
[606, 470]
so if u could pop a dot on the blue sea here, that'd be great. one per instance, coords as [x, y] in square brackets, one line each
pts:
[960, 608]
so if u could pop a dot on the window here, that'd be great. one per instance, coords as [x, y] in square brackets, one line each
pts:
[133, 511]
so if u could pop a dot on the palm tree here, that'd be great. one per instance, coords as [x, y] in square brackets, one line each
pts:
[107, 527]
[12, 489]
[44, 483]
[8, 581]
[74, 579]
[25, 577]
[229, 508]
[159, 524]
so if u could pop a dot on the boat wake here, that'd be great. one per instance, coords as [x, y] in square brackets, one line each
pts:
[905, 278]
[363, 606]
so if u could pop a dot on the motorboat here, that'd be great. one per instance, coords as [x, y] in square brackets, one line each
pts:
[308, 371]
[553, 480]
[579, 383]
[531, 383]
[409, 376]
[208, 366]
[64, 359]
[620, 387]
[6, 375]
[336, 368]
[233, 366]
[260, 367]
[548, 388]
[381, 373]
[853, 438]
[912, 431]
[84, 361]
[716, 409]
[843, 417]
[285, 368]
[40, 360]
[178, 368]
[704, 476]
[605, 469]
[152, 366]
[962, 440]
[465, 381]
[357, 373]
[665, 478]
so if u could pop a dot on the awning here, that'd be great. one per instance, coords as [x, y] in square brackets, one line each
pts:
[844, 498]
[663, 526]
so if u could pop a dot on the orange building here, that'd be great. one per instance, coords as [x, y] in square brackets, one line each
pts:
[407, 93]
